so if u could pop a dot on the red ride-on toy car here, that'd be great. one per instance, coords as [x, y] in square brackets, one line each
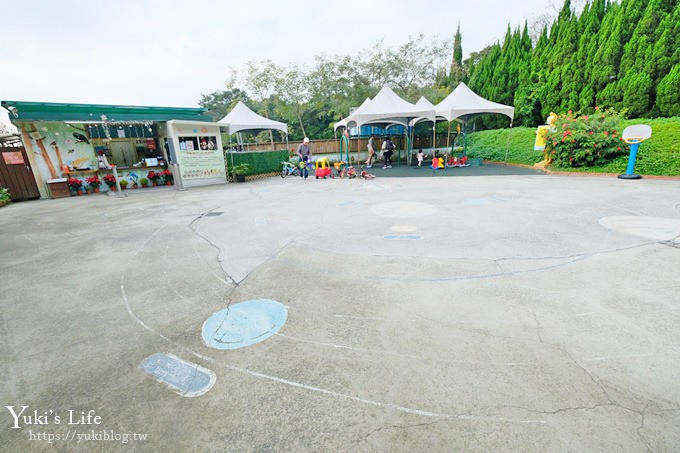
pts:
[323, 168]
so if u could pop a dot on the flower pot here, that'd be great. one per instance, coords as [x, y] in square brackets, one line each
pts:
[240, 178]
[155, 184]
[96, 190]
[168, 183]
[80, 192]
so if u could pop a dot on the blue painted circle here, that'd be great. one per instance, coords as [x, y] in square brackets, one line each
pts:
[403, 237]
[244, 324]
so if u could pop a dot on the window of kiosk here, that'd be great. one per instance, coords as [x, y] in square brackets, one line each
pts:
[188, 143]
[131, 153]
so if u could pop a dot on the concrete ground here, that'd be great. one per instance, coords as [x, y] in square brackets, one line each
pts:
[526, 313]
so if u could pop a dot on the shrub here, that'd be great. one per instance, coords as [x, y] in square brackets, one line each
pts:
[4, 195]
[586, 140]
[259, 161]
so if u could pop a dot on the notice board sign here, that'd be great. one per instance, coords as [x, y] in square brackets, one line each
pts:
[13, 157]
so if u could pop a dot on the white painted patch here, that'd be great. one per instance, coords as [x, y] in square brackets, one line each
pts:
[656, 228]
[403, 228]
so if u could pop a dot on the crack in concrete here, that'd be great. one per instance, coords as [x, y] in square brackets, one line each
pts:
[364, 438]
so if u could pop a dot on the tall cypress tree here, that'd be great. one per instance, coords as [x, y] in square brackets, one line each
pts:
[457, 70]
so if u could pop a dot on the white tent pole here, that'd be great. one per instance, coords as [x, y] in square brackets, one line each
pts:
[434, 136]
[507, 146]
[448, 136]
[231, 151]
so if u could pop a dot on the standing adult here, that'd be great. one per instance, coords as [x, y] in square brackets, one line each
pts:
[371, 152]
[388, 149]
[305, 154]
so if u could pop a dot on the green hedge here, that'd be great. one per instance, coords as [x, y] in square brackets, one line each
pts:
[259, 161]
[660, 155]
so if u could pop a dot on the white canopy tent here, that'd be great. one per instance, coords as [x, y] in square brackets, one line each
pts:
[424, 104]
[350, 121]
[387, 108]
[241, 118]
[463, 101]
[427, 105]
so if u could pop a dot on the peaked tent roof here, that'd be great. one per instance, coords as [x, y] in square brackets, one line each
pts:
[424, 104]
[387, 108]
[241, 118]
[463, 101]
[350, 119]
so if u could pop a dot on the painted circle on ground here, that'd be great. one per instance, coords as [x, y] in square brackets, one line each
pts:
[244, 324]
[403, 228]
[403, 237]
[402, 209]
[656, 228]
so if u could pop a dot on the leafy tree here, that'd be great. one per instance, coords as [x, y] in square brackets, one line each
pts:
[293, 88]
[668, 94]
[637, 89]
[260, 78]
[221, 102]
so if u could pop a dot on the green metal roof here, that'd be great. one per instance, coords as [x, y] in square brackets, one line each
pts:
[50, 111]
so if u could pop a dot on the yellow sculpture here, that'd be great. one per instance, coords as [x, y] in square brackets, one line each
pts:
[542, 137]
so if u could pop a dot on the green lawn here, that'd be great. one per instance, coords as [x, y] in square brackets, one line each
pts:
[660, 155]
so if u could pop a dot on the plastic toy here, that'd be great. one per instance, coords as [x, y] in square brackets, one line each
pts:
[344, 170]
[288, 168]
[456, 161]
[323, 168]
[634, 135]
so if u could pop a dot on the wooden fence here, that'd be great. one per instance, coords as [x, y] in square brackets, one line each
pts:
[332, 146]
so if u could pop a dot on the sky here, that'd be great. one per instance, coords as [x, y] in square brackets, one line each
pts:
[170, 52]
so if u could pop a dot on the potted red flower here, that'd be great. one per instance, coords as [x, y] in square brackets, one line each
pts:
[93, 183]
[153, 177]
[167, 176]
[76, 185]
[110, 181]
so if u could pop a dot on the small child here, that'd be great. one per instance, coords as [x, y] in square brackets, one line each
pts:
[420, 157]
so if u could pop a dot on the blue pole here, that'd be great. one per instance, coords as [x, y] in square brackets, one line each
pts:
[631, 158]
[631, 163]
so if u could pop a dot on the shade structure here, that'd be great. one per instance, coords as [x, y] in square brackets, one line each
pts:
[386, 108]
[350, 121]
[463, 101]
[241, 118]
[424, 104]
